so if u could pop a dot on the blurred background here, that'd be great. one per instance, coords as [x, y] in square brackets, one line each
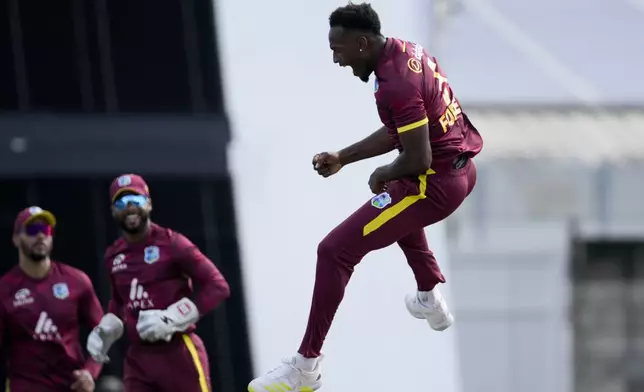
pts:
[221, 104]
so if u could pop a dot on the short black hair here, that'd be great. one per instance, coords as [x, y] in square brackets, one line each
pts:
[356, 17]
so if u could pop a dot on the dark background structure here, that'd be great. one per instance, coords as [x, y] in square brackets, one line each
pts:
[90, 89]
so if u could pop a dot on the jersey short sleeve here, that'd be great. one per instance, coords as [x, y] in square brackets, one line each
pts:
[402, 95]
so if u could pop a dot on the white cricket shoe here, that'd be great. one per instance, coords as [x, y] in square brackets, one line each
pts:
[289, 376]
[431, 306]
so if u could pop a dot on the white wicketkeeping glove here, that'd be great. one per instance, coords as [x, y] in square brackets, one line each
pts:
[154, 325]
[103, 336]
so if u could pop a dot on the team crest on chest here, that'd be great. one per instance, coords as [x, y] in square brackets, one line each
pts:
[151, 254]
[61, 290]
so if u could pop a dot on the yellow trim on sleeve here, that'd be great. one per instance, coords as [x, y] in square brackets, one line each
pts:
[203, 383]
[396, 209]
[413, 125]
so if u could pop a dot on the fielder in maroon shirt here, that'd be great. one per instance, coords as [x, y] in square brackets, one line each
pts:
[42, 304]
[152, 272]
[429, 179]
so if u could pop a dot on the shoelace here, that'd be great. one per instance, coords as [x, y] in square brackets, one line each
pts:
[290, 362]
[437, 309]
[437, 304]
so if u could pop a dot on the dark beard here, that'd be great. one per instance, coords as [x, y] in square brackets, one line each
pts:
[135, 230]
[37, 257]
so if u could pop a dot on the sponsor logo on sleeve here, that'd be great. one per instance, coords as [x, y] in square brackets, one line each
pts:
[414, 65]
[418, 52]
[22, 297]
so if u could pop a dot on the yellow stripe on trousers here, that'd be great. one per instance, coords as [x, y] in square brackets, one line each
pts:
[203, 383]
[395, 210]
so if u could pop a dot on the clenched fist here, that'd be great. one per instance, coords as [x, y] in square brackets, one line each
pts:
[327, 163]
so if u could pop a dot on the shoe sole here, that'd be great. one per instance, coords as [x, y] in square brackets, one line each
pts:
[302, 389]
[448, 323]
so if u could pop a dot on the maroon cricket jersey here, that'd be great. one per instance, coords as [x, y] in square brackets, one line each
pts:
[411, 90]
[157, 272]
[39, 325]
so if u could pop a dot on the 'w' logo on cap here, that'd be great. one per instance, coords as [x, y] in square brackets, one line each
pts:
[124, 181]
[34, 210]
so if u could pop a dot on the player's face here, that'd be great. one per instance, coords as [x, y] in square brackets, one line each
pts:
[350, 49]
[35, 240]
[132, 212]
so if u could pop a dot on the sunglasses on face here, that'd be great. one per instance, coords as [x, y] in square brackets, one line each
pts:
[36, 228]
[136, 200]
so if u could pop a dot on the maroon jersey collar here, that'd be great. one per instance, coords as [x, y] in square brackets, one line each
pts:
[384, 56]
[52, 267]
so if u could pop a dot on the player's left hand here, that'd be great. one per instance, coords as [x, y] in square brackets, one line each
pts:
[84, 381]
[154, 325]
[377, 183]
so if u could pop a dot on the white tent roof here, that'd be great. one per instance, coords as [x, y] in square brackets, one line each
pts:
[592, 135]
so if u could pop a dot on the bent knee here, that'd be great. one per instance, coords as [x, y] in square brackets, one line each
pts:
[336, 248]
[328, 248]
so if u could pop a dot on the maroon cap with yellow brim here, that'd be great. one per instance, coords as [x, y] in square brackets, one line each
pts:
[31, 214]
[132, 183]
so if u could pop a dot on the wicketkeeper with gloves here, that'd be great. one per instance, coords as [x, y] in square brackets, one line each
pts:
[152, 270]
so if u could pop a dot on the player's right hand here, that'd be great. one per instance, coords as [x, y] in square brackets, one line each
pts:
[103, 336]
[84, 381]
[96, 346]
[327, 163]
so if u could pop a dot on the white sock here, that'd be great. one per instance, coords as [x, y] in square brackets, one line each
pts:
[306, 364]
